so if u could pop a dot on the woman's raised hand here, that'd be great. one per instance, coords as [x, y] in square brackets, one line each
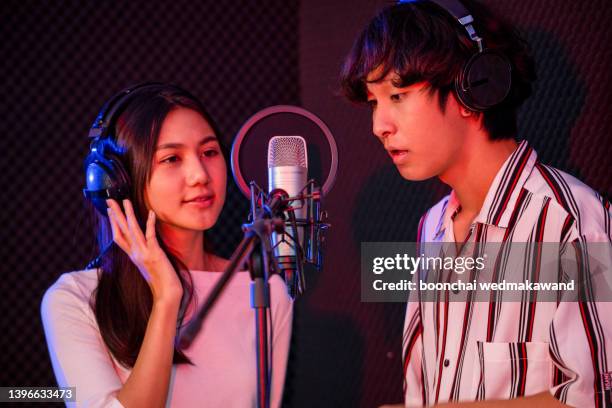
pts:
[144, 251]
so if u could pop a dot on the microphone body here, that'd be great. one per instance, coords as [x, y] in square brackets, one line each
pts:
[288, 171]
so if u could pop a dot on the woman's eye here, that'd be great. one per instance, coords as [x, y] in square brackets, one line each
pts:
[170, 159]
[371, 103]
[210, 152]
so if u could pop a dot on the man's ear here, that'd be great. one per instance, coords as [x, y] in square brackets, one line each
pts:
[465, 112]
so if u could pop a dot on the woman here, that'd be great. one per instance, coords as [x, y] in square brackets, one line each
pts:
[111, 331]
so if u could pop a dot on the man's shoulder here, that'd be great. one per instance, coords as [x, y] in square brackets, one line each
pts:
[587, 208]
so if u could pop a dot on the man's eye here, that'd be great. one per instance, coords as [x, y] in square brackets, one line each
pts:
[170, 159]
[396, 97]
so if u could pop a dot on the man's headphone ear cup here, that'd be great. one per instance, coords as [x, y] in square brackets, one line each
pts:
[484, 81]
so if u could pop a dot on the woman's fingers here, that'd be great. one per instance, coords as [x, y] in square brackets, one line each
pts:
[117, 234]
[150, 231]
[134, 227]
[120, 220]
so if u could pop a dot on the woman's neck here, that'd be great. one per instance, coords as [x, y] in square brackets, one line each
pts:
[187, 245]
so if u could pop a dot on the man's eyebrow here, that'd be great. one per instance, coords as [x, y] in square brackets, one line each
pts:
[379, 80]
[181, 145]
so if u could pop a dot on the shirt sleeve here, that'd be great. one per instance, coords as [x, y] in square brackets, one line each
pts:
[282, 320]
[78, 354]
[581, 331]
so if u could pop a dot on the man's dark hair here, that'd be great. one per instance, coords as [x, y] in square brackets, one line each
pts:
[420, 41]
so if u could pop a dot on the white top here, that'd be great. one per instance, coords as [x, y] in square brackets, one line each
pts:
[224, 357]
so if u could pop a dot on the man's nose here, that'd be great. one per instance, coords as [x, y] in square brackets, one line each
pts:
[382, 123]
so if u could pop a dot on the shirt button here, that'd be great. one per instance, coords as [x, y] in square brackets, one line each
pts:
[446, 362]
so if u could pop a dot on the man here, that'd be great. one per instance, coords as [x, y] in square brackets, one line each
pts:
[444, 85]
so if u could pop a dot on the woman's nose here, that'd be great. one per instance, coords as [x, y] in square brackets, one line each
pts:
[197, 173]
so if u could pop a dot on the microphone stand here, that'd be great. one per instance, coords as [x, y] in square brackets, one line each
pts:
[255, 246]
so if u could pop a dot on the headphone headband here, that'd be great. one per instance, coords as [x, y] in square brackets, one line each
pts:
[457, 10]
[105, 118]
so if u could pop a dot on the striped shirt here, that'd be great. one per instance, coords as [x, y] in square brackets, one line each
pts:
[468, 350]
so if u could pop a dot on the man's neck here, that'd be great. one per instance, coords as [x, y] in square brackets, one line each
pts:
[473, 172]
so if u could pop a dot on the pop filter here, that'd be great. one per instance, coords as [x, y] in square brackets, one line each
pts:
[250, 148]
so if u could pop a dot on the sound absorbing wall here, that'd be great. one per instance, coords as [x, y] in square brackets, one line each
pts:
[62, 60]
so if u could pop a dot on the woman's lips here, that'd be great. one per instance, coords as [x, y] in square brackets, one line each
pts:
[201, 202]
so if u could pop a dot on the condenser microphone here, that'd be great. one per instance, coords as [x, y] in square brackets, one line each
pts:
[300, 171]
[288, 171]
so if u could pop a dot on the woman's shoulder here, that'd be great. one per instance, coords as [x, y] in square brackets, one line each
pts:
[70, 290]
[82, 282]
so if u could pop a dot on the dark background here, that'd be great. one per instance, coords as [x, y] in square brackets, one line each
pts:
[62, 60]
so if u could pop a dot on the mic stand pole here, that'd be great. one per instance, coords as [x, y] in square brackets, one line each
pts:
[256, 235]
[260, 302]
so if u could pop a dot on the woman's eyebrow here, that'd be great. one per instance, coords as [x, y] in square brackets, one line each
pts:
[181, 145]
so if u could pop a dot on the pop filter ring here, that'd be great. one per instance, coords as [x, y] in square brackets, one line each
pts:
[273, 110]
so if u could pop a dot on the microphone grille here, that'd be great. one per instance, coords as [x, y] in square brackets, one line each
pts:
[287, 151]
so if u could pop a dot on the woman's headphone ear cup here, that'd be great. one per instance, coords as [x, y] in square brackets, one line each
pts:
[484, 81]
[120, 177]
[106, 176]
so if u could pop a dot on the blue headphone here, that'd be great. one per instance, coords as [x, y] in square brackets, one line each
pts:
[105, 173]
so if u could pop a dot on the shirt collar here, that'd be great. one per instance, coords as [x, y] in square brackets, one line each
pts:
[503, 192]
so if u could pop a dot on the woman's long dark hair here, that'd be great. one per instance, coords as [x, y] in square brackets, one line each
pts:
[123, 301]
